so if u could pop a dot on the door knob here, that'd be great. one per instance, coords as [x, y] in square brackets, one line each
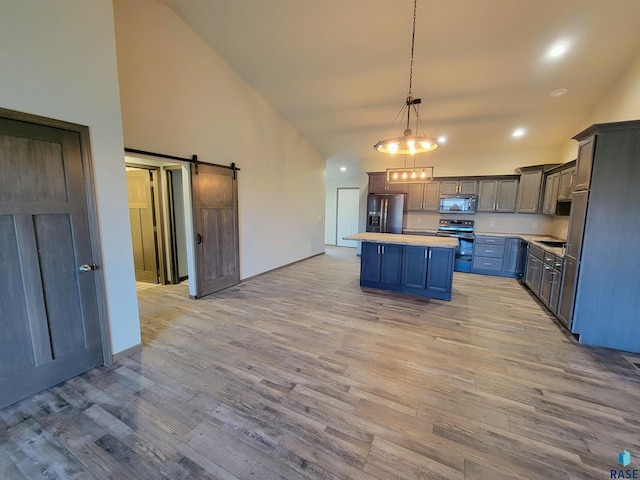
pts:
[87, 268]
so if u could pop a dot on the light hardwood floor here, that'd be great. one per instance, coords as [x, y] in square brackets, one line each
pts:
[299, 373]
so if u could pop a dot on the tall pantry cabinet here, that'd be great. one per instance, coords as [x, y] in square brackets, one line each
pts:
[600, 299]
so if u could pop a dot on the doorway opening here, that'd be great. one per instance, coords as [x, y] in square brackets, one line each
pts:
[347, 215]
[161, 223]
[144, 218]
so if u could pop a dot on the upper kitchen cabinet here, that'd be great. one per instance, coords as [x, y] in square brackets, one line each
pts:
[423, 197]
[459, 185]
[605, 299]
[497, 194]
[550, 201]
[378, 184]
[530, 190]
[583, 163]
[567, 180]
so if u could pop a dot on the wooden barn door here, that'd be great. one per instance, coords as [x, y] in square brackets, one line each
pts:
[48, 301]
[215, 205]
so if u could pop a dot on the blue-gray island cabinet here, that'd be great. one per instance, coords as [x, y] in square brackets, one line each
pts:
[412, 264]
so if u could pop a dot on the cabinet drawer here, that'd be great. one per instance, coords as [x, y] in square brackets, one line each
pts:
[490, 240]
[536, 251]
[558, 264]
[487, 263]
[493, 251]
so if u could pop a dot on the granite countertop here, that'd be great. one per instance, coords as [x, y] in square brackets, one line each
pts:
[419, 231]
[536, 239]
[403, 239]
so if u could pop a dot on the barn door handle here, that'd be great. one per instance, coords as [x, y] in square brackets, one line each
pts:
[198, 239]
[87, 268]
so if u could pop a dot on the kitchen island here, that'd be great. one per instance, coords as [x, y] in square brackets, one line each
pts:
[412, 264]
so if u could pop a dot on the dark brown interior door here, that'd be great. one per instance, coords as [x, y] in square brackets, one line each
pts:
[143, 224]
[48, 300]
[215, 203]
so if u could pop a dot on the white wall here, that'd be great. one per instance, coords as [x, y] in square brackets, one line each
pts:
[58, 60]
[179, 97]
[622, 103]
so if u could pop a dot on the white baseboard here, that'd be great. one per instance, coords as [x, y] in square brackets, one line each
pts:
[126, 352]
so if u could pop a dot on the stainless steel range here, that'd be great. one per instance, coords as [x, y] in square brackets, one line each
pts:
[463, 231]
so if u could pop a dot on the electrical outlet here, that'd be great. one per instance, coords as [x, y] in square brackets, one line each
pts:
[419, 221]
[492, 224]
[534, 225]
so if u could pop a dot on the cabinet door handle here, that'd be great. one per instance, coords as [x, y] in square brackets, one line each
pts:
[487, 264]
[488, 251]
[429, 254]
[383, 249]
[426, 253]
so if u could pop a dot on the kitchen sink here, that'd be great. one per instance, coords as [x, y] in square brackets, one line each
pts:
[552, 243]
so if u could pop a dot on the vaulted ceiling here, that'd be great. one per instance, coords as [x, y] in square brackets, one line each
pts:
[338, 70]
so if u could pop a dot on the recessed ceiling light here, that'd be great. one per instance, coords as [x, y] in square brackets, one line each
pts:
[343, 169]
[518, 132]
[557, 50]
[442, 139]
[559, 92]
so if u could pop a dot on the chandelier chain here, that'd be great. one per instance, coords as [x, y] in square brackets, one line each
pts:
[413, 42]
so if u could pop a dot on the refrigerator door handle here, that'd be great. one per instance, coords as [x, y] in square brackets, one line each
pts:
[384, 204]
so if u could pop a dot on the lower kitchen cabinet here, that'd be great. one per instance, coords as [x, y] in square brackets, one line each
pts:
[428, 271]
[440, 272]
[534, 269]
[496, 256]
[547, 278]
[416, 270]
[556, 281]
[381, 263]
[570, 278]
[544, 275]
[416, 263]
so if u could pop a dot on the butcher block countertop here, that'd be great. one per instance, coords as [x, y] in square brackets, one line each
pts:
[400, 239]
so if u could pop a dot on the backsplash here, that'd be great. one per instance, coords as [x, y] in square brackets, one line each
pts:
[496, 223]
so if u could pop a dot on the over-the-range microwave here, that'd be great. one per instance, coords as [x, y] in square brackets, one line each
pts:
[458, 203]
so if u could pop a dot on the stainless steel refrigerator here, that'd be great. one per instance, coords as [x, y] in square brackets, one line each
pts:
[384, 212]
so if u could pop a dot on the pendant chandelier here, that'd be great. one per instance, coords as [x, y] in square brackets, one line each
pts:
[408, 143]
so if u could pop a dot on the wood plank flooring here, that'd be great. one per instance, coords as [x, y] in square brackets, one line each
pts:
[299, 374]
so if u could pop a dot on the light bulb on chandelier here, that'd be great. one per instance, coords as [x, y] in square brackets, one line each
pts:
[408, 143]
